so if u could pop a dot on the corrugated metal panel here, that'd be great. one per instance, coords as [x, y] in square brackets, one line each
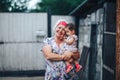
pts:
[22, 27]
[22, 57]
[1, 56]
[20, 50]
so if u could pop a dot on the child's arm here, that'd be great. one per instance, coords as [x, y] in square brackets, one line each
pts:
[70, 41]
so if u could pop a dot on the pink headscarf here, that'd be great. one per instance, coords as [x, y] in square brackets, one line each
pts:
[62, 23]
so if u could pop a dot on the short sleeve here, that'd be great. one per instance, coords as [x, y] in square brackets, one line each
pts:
[46, 41]
[75, 37]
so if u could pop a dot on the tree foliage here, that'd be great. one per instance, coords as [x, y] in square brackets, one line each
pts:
[13, 5]
[59, 6]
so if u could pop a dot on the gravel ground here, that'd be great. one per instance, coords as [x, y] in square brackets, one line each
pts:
[21, 78]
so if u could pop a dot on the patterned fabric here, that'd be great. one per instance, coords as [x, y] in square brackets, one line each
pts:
[56, 70]
[73, 46]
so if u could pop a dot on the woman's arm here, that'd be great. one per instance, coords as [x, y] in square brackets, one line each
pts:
[47, 51]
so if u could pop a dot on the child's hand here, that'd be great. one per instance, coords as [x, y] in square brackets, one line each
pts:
[65, 39]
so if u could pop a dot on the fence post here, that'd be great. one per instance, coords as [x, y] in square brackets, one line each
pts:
[49, 22]
[93, 52]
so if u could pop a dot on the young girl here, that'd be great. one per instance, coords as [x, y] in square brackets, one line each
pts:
[71, 42]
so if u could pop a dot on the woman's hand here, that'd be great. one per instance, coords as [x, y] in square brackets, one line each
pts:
[76, 55]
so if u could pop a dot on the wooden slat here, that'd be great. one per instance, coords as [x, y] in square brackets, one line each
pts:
[118, 42]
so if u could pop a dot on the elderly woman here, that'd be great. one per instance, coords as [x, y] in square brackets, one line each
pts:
[53, 50]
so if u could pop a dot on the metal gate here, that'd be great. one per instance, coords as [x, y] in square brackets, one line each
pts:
[109, 42]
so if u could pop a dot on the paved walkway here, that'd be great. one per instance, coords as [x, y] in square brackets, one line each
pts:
[21, 78]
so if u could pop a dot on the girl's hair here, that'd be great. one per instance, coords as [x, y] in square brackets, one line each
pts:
[70, 26]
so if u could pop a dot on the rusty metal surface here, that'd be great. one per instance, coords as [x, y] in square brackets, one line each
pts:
[118, 42]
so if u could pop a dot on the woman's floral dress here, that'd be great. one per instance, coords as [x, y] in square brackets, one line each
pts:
[56, 70]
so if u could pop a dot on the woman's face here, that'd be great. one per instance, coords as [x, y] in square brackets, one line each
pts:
[60, 31]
